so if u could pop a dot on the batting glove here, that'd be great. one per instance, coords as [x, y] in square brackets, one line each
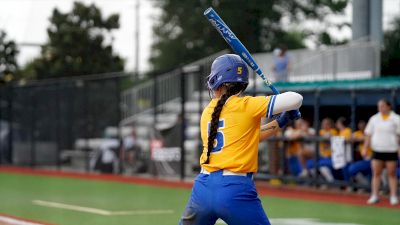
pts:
[283, 119]
[294, 114]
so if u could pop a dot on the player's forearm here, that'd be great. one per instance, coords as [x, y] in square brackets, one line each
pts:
[268, 130]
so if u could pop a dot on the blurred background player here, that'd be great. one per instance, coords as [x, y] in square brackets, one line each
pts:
[294, 134]
[360, 168]
[230, 132]
[308, 148]
[325, 162]
[382, 134]
[297, 150]
[345, 132]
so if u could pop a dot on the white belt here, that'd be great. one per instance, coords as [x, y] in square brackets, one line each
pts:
[225, 173]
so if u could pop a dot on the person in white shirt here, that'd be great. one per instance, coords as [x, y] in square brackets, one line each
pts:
[382, 134]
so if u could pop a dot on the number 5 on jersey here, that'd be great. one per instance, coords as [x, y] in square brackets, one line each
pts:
[219, 139]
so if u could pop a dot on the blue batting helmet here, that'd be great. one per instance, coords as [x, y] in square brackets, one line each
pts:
[228, 68]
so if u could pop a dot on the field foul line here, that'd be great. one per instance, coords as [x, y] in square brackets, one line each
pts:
[13, 221]
[99, 211]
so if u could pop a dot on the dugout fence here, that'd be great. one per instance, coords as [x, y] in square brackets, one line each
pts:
[44, 118]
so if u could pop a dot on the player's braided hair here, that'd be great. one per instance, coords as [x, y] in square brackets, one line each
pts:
[231, 89]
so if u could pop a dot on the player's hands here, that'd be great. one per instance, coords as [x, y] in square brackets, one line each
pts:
[283, 119]
[294, 114]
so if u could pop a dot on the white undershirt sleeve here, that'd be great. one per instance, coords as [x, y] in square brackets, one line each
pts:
[286, 101]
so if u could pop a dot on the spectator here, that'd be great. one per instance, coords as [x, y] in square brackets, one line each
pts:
[345, 132]
[325, 162]
[299, 152]
[342, 127]
[293, 134]
[281, 64]
[360, 169]
[105, 159]
[130, 150]
[308, 148]
[382, 132]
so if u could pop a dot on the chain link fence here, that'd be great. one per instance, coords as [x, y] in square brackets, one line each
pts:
[43, 119]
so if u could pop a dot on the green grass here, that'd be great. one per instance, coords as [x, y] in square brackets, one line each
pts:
[18, 191]
[330, 212]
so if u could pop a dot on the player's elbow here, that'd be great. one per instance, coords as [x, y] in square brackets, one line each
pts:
[296, 99]
[287, 101]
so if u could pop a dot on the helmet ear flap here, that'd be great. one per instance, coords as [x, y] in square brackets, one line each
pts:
[211, 81]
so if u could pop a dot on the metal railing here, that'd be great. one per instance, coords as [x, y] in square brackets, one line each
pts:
[356, 60]
[163, 89]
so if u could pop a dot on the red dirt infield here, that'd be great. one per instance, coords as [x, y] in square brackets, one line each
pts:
[262, 187]
[17, 220]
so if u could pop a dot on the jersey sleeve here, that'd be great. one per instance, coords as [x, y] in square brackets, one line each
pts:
[261, 106]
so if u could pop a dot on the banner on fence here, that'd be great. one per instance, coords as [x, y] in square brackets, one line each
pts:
[338, 152]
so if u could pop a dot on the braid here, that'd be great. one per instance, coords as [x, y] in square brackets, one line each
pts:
[232, 89]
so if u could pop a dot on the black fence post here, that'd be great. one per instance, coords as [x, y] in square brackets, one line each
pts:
[316, 128]
[118, 92]
[33, 128]
[10, 100]
[58, 126]
[119, 104]
[183, 117]
[393, 99]
[353, 122]
[86, 112]
[353, 127]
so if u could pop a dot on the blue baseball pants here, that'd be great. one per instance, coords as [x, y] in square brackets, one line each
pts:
[232, 198]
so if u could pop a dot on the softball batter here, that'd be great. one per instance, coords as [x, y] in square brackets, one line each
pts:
[231, 131]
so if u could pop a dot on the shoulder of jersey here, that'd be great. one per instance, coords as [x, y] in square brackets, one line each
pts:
[397, 116]
[375, 116]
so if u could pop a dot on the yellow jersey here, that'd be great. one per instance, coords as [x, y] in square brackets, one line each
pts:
[359, 134]
[325, 147]
[293, 146]
[346, 133]
[238, 135]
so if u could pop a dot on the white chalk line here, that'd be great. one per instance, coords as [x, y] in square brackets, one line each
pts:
[297, 221]
[13, 221]
[102, 212]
